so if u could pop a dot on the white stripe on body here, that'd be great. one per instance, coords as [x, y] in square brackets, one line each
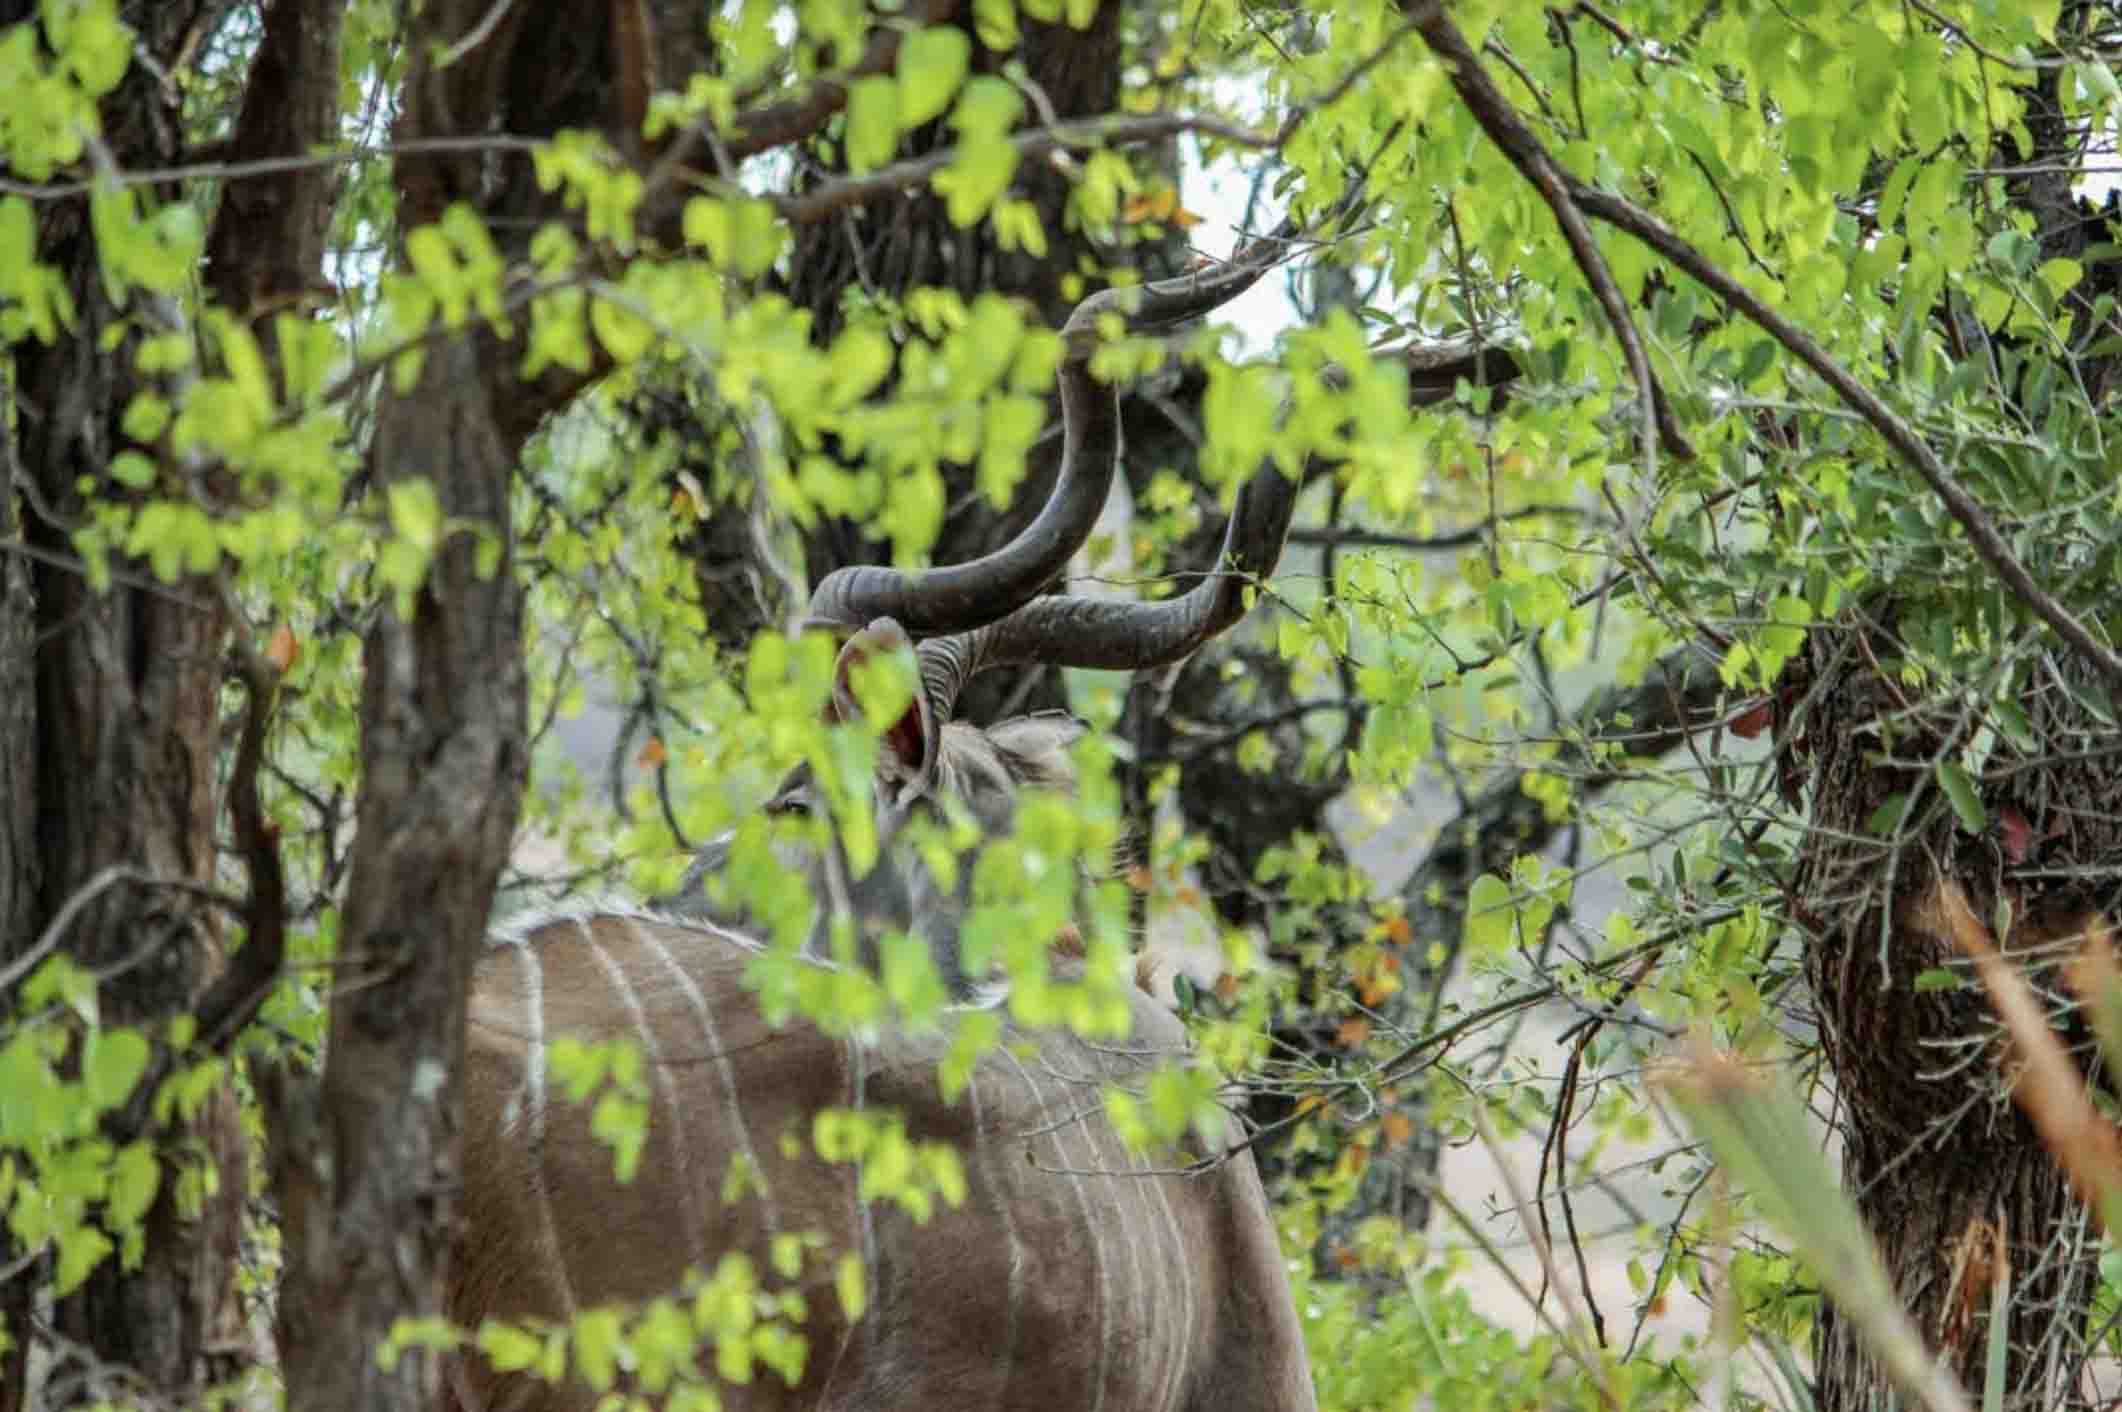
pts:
[1093, 1231]
[985, 1147]
[1138, 1290]
[534, 1098]
[856, 1076]
[1176, 1296]
[733, 1099]
[1189, 1295]
[690, 1184]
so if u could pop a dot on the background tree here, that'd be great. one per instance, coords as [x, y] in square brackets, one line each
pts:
[1707, 415]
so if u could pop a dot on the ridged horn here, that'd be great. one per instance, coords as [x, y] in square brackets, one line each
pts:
[959, 597]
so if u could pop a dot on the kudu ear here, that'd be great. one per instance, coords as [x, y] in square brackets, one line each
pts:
[910, 744]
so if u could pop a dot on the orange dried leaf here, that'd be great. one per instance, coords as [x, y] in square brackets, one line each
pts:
[1398, 932]
[652, 754]
[1156, 205]
[2048, 1086]
[1396, 1128]
[1353, 1032]
[1227, 988]
[1754, 719]
[283, 649]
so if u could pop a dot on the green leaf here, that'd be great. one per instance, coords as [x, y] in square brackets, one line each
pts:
[621, 1123]
[508, 1348]
[872, 122]
[1886, 819]
[625, 335]
[416, 514]
[81, 1250]
[135, 1177]
[1491, 916]
[1760, 357]
[933, 63]
[599, 1337]
[60, 980]
[112, 1065]
[2098, 81]
[852, 1287]
[1961, 794]
[995, 21]
[97, 46]
[860, 360]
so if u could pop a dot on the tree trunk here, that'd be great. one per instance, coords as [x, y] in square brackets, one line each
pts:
[108, 736]
[1939, 1210]
[21, 866]
[366, 1164]
[1948, 1172]
[368, 1174]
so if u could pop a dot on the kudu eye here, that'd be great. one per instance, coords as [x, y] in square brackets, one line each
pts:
[796, 806]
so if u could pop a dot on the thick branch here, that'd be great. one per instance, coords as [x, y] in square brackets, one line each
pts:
[821, 202]
[235, 996]
[1421, 544]
[369, 1204]
[1565, 193]
[267, 244]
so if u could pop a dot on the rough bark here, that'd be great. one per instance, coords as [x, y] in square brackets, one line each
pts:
[21, 865]
[108, 725]
[368, 1204]
[1939, 1160]
[367, 1161]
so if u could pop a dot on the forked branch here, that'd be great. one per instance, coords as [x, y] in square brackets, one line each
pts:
[1548, 176]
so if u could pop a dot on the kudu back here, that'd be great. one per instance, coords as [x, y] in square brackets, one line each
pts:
[1072, 1275]
[1075, 1273]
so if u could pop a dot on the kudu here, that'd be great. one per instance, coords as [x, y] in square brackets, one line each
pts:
[1074, 1274]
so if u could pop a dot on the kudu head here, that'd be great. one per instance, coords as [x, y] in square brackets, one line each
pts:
[928, 767]
[989, 612]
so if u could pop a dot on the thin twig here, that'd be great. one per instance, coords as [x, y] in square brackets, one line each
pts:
[1572, 199]
[88, 892]
[1988, 544]
[824, 201]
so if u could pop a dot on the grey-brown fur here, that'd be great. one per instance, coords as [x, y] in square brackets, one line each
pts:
[984, 770]
[1076, 1274]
